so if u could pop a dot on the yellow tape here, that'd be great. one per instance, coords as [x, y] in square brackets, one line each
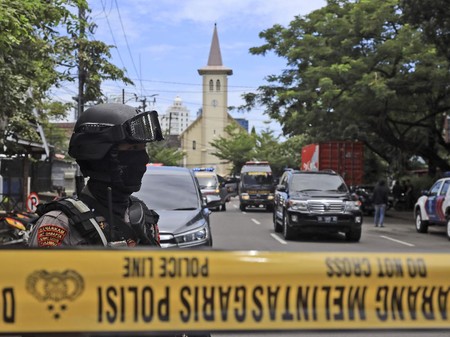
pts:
[146, 290]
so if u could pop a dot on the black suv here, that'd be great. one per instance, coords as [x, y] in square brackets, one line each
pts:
[315, 201]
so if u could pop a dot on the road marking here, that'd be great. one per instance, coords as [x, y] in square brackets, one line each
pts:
[256, 221]
[280, 240]
[398, 241]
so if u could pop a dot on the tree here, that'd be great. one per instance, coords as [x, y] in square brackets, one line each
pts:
[354, 71]
[26, 61]
[237, 147]
[279, 154]
[35, 56]
[55, 135]
[161, 152]
[432, 16]
[88, 58]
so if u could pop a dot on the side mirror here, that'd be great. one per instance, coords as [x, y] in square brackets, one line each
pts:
[212, 201]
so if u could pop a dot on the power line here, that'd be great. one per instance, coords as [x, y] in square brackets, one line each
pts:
[126, 39]
[112, 35]
[196, 84]
[182, 83]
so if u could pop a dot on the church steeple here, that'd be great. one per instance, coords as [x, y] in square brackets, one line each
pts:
[215, 57]
[214, 117]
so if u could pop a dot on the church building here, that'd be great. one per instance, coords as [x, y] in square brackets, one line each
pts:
[210, 124]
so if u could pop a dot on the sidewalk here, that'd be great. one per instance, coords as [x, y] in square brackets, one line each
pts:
[404, 215]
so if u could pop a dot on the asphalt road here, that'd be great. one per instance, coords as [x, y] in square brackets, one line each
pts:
[253, 230]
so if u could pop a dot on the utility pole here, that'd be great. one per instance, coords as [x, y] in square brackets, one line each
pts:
[144, 100]
[81, 69]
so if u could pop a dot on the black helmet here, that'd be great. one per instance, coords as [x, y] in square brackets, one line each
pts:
[104, 125]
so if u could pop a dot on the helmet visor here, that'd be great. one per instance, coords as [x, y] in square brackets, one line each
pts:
[93, 140]
[144, 127]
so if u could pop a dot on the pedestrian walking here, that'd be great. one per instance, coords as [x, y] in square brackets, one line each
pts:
[380, 200]
[397, 191]
[409, 194]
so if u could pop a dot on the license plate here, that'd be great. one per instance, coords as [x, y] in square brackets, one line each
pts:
[327, 219]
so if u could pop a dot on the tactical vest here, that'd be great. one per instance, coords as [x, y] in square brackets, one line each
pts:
[143, 222]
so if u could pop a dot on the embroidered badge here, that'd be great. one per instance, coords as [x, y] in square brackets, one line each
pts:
[50, 235]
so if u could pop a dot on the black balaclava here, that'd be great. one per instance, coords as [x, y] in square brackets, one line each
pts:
[120, 170]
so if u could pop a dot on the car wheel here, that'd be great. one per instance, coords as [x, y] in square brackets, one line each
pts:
[288, 232]
[448, 228]
[354, 235]
[421, 226]
[276, 226]
[242, 207]
[224, 207]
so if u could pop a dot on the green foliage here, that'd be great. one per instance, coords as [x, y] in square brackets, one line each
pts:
[239, 146]
[35, 56]
[27, 65]
[161, 152]
[432, 17]
[354, 70]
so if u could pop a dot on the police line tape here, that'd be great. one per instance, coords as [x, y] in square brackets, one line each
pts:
[49, 291]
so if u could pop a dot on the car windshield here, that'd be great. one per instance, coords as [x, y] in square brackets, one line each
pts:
[169, 191]
[207, 181]
[257, 178]
[317, 182]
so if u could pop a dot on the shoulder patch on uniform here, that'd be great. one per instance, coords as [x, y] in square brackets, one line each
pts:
[50, 235]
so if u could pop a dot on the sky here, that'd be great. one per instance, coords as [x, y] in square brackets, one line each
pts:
[162, 43]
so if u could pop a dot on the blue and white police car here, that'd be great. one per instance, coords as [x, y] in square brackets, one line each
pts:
[433, 207]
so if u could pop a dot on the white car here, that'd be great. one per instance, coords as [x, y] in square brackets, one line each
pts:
[433, 207]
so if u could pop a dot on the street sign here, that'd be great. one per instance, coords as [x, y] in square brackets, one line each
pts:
[32, 202]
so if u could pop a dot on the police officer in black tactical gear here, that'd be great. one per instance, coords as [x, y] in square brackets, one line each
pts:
[108, 143]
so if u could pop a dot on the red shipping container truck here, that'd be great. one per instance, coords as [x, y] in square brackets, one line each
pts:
[342, 156]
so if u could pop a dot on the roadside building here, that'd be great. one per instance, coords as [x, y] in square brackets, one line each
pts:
[176, 118]
[211, 123]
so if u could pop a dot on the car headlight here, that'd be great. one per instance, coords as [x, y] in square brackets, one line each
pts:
[245, 196]
[352, 205]
[270, 196]
[297, 205]
[194, 236]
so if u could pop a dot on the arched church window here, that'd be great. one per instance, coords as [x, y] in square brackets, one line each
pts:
[194, 145]
[211, 85]
[218, 85]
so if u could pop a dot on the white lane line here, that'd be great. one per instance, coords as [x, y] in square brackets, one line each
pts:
[280, 240]
[256, 221]
[398, 241]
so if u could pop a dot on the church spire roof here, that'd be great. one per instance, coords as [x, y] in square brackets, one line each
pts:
[215, 58]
